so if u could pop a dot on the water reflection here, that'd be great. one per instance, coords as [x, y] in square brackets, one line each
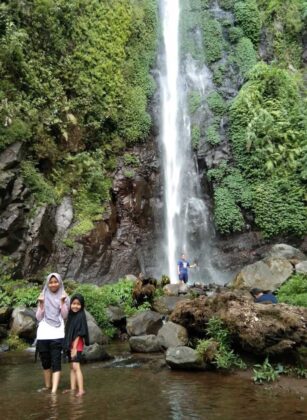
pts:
[139, 394]
[76, 407]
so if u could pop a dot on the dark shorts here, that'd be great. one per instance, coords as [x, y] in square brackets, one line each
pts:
[77, 359]
[50, 353]
[183, 277]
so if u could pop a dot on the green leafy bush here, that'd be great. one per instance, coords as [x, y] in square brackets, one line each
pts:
[26, 296]
[245, 56]
[216, 103]
[294, 291]
[265, 372]
[248, 17]
[97, 299]
[212, 38]
[224, 357]
[212, 135]
[194, 101]
[195, 137]
[279, 207]
[42, 190]
[131, 159]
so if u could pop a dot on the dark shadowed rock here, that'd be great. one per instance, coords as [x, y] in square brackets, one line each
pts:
[172, 335]
[95, 353]
[145, 343]
[10, 157]
[115, 314]
[143, 323]
[5, 314]
[95, 333]
[166, 304]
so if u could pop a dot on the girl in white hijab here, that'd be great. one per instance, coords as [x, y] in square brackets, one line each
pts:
[52, 310]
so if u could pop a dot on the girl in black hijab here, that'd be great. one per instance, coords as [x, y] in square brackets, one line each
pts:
[76, 336]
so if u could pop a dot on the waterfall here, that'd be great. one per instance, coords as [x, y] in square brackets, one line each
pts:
[173, 160]
[188, 224]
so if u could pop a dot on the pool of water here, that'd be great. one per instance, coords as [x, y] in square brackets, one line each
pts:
[131, 388]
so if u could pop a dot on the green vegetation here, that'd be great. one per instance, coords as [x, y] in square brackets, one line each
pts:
[212, 30]
[195, 137]
[266, 372]
[216, 103]
[75, 85]
[224, 357]
[294, 291]
[18, 292]
[284, 21]
[15, 343]
[248, 18]
[130, 159]
[97, 300]
[194, 101]
[212, 135]
[245, 56]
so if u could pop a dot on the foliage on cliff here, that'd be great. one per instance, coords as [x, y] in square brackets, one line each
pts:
[262, 55]
[74, 87]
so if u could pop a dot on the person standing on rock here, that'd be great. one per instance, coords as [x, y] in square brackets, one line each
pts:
[52, 310]
[182, 267]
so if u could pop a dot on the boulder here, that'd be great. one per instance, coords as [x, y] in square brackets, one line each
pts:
[183, 288]
[286, 251]
[259, 328]
[173, 335]
[11, 156]
[95, 333]
[143, 323]
[95, 353]
[23, 323]
[171, 289]
[267, 274]
[166, 304]
[4, 347]
[184, 358]
[115, 314]
[145, 343]
[301, 267]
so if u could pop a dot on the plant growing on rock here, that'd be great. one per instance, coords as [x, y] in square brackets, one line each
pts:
[266, 372]
[217, 348]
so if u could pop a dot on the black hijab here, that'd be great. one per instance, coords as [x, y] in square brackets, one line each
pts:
[76, 325]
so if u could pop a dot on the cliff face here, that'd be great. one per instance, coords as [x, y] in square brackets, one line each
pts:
[120, 243]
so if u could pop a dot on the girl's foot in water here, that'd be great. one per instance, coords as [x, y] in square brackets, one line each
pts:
[68, 391]
[80, 393]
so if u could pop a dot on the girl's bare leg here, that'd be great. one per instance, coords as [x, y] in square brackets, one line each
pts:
[79, 378]
[47, 378]
[55, 381]
[73, 379]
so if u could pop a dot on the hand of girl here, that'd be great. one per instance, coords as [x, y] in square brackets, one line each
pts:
[63, 297]
[41, 300]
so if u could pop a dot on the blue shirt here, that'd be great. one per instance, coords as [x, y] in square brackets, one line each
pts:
[267, 297]
[183, 266]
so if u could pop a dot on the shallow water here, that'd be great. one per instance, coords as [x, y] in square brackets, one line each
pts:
[129, 388]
